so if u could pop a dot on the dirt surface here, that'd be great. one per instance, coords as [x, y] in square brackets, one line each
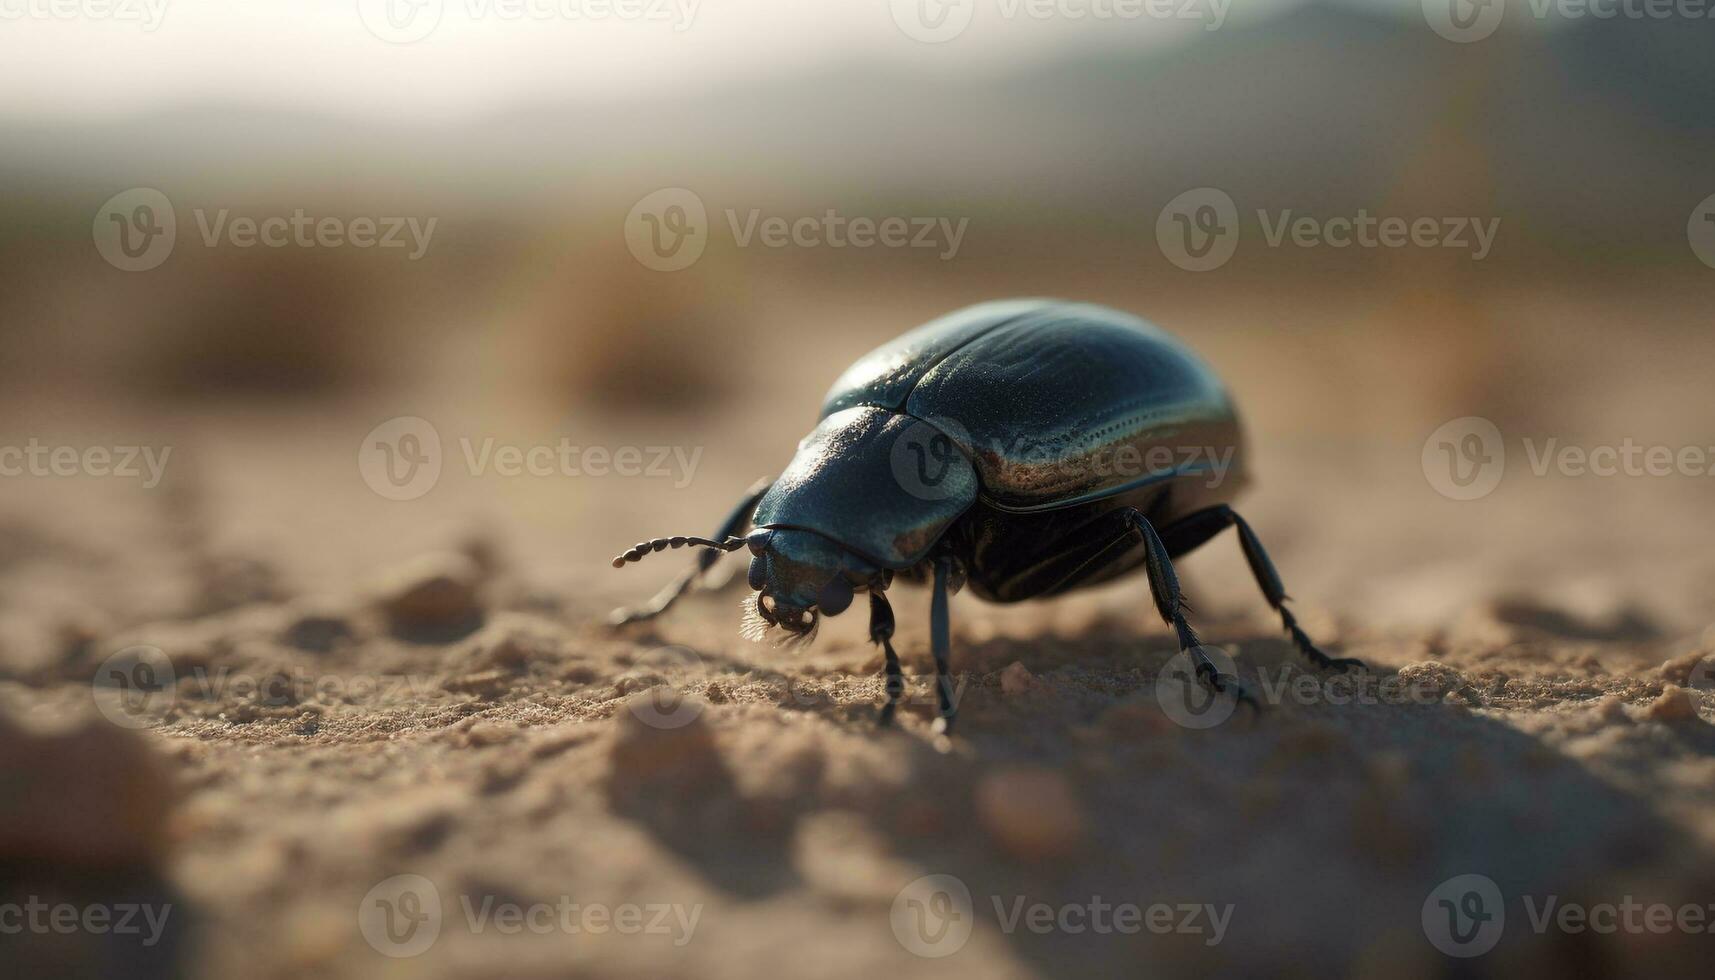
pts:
[328, 689]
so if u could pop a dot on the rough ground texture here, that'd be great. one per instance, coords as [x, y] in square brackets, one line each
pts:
[356, 689]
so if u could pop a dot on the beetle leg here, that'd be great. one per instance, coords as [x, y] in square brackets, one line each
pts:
[1170, 603]
[664, 599]
[881, 632]
[941, 643]
[1267, 579]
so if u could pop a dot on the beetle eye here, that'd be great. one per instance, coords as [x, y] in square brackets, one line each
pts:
[758, 573]
[835, 596]
[759, 541]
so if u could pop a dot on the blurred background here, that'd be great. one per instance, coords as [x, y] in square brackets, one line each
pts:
[527, 135]
[545, 225]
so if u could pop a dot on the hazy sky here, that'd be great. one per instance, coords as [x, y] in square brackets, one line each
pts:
[97, 58]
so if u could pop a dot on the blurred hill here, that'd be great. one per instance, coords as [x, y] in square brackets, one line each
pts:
[1590, 142]
[1599, 131]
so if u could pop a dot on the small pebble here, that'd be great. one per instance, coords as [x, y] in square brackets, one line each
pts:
[433, 592]
[1016, 679]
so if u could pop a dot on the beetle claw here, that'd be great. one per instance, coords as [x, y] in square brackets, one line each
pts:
[1340, 665]
[1228, 684]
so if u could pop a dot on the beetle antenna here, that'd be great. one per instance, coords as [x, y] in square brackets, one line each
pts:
[677, 541]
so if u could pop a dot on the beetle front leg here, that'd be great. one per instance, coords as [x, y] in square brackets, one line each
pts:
[687, 581]
[1170, 603]
[881, 632]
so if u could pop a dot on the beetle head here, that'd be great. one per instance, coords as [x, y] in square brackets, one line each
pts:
[799, 575]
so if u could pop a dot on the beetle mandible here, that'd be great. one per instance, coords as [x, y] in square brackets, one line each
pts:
[1025, 447]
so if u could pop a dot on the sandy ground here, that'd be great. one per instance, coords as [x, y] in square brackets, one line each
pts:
[349, 689]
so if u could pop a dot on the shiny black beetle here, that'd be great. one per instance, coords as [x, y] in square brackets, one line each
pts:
[1029, 447]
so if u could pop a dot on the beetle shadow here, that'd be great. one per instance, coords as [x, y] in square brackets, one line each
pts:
[1327, 826]
[127, 923]
[669, 778]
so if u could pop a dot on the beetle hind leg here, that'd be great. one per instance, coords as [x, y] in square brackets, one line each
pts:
[1170, 603]
[1194, 530]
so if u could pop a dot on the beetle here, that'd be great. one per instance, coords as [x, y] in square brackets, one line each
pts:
[1026, 448]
